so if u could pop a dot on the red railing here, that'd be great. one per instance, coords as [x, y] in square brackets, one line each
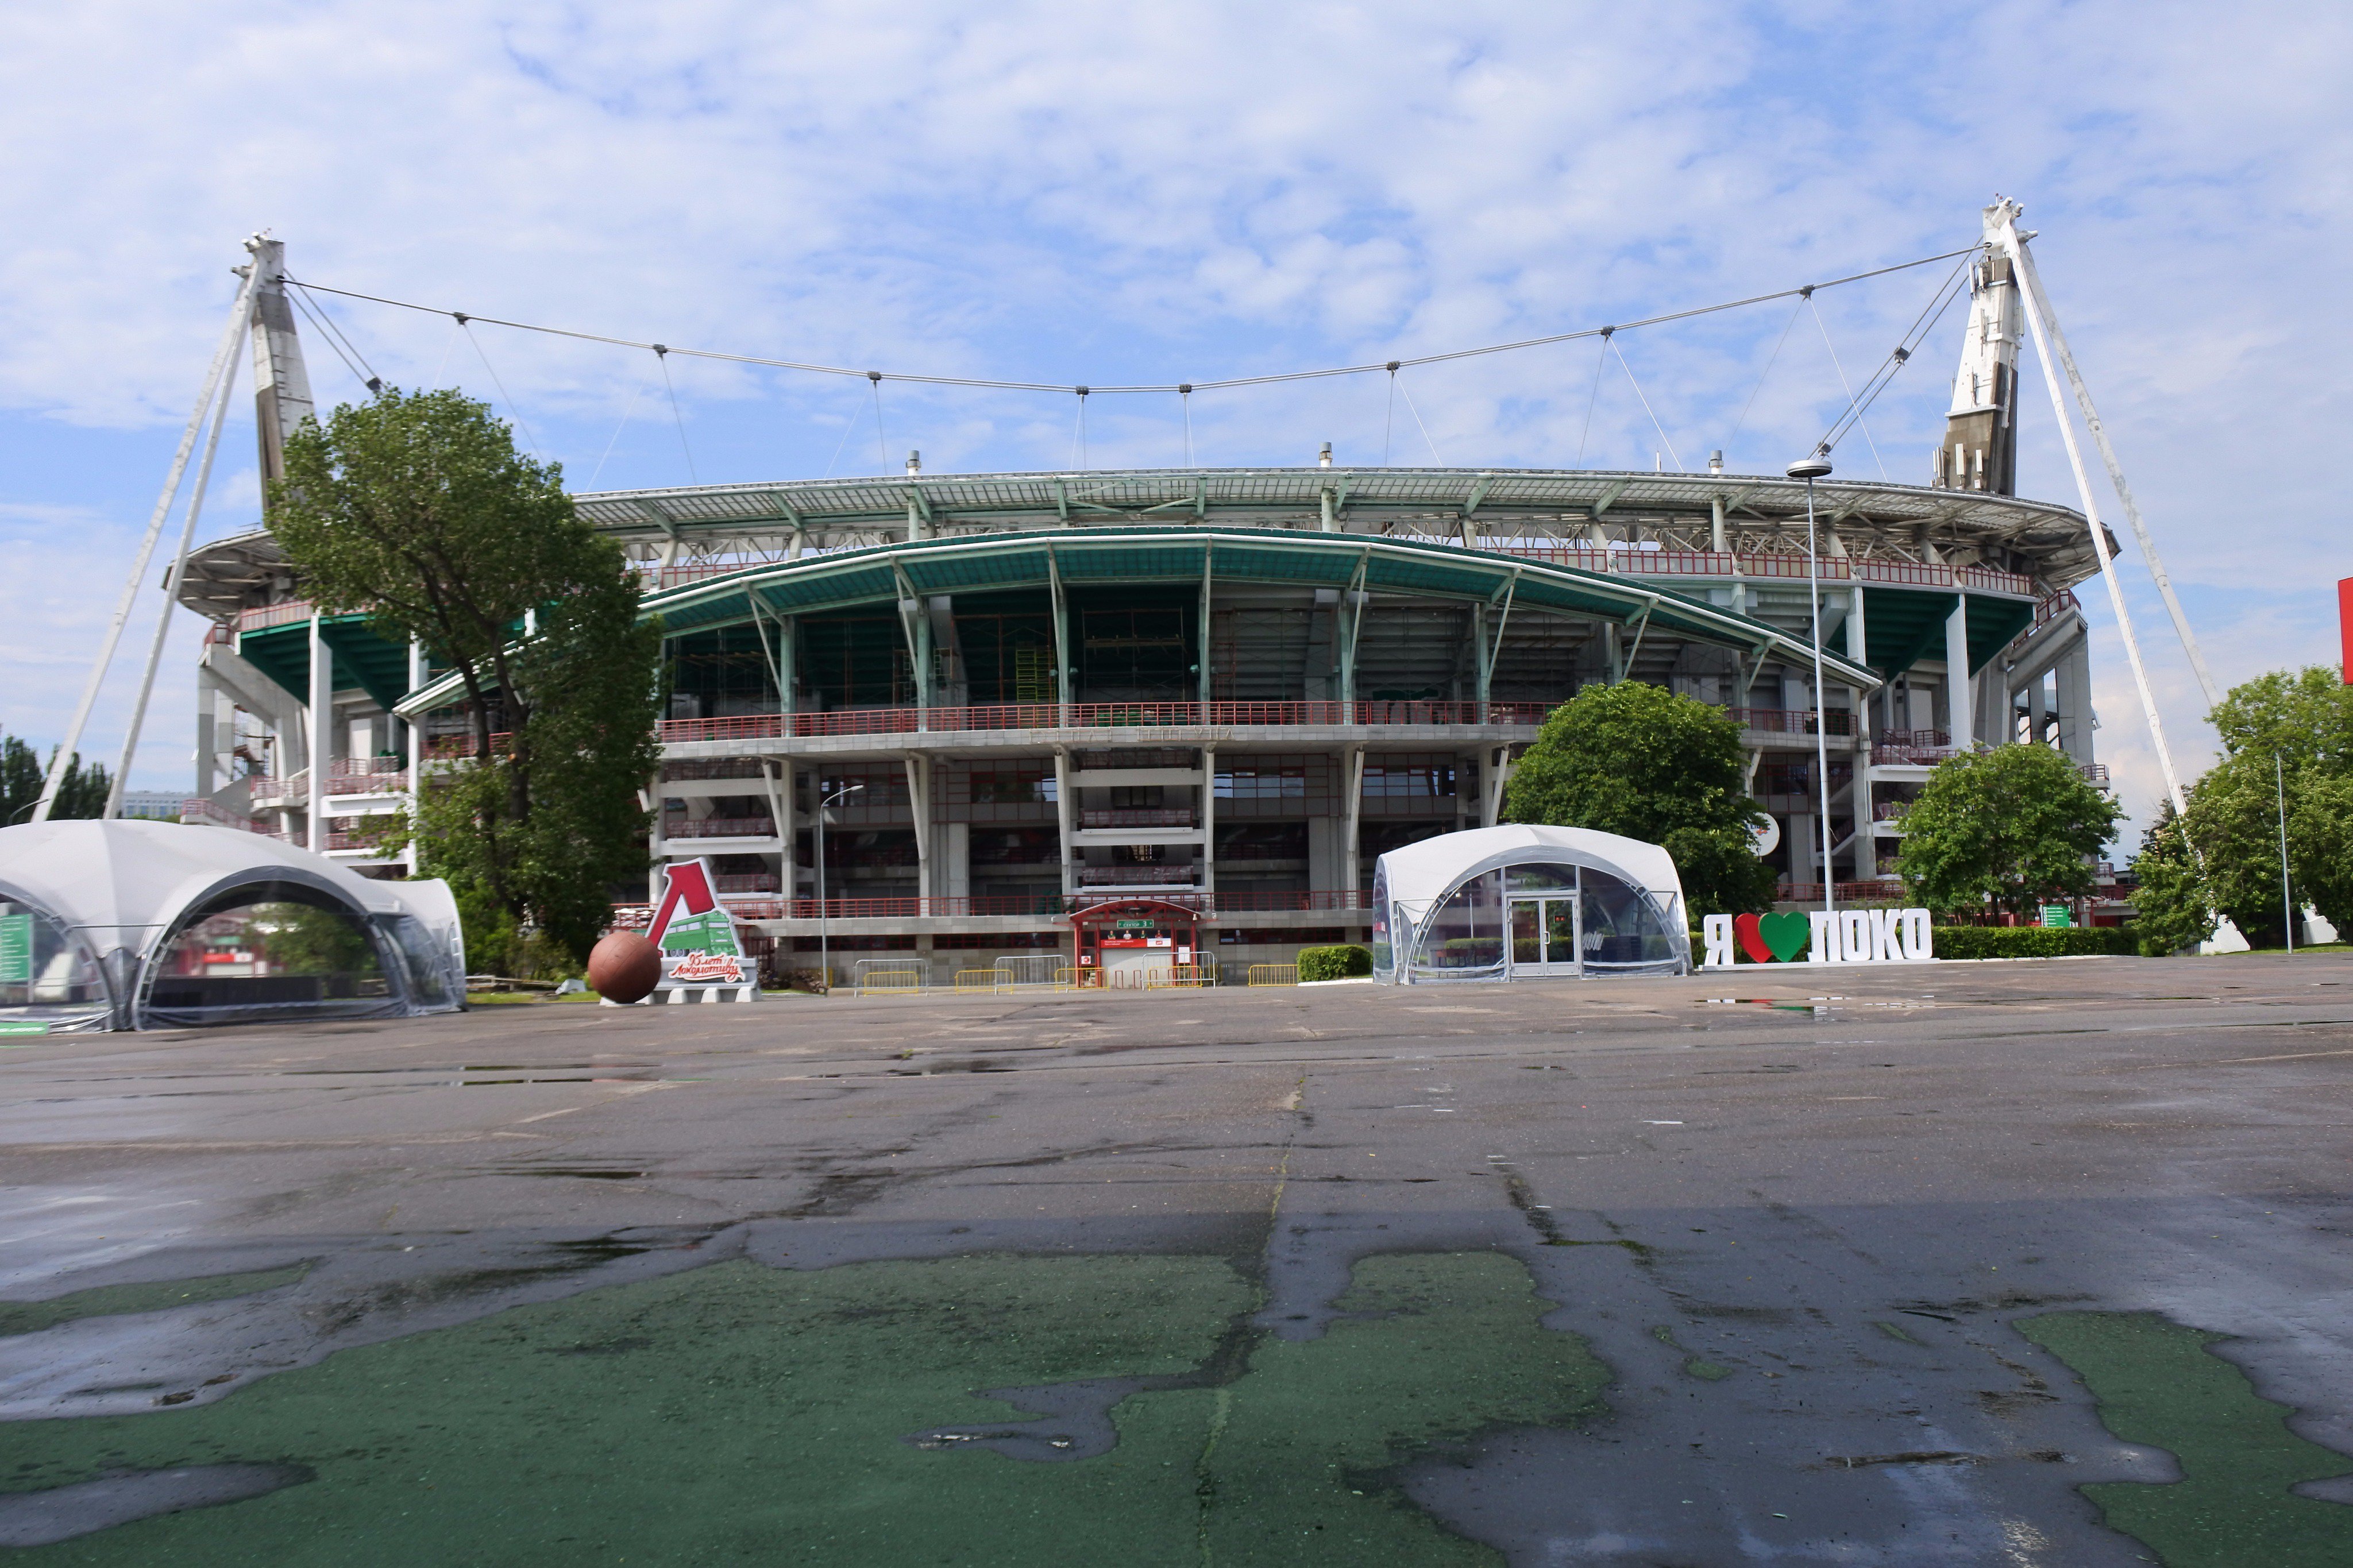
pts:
[1885, 892]
[1791, 721]
[1034, 906]
[367, 776]
[278, 614]
[263, 790]
[1136, 875]
[452, 748]
[1635, 561]
[1092, 715]
[1139, 817]
[721, 828]
[199, 810]
[1891, 753]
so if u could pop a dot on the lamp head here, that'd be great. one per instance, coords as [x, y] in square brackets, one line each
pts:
[1813, 466]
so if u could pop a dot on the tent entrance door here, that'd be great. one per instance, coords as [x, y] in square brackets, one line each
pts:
[1545, 935]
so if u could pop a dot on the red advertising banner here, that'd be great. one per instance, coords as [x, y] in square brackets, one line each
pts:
[2344, 625]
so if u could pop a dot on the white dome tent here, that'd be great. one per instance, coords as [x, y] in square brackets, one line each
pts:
[146, 925]
[1518, 903]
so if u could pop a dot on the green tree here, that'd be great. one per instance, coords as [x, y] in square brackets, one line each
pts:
[2281, 733]
[81, 794]
[1640, 761]
[2010, 827]
[416, 510]
[2172, 908]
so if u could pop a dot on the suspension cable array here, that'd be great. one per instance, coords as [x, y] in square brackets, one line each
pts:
[1182, 388]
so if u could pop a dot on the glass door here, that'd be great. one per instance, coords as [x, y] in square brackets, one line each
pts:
[1545, 935]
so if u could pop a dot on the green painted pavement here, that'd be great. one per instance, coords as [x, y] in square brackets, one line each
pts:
[740, 1413]
[112, 1300]
[2158, 1384]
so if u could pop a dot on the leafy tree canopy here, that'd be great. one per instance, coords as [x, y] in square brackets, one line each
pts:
[2010, 827]
[1641, 761]
[416, 510]
[2172, 908]
[81, 794]
[2282, 734]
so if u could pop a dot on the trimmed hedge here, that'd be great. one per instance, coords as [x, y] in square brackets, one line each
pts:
[2034, 942]
[1333, 962]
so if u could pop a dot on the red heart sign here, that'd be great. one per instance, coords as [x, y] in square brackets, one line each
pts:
[1752, 941]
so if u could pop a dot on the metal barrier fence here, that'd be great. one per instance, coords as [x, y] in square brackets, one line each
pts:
[892, 978]
[978, 983]
[1034, 972]
[1274, 974]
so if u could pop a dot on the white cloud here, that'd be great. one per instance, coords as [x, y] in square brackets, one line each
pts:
[1082, 193]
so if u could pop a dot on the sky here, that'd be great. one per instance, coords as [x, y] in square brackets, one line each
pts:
[1097, 194]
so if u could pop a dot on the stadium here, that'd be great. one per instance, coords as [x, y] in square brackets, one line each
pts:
[1193, 706]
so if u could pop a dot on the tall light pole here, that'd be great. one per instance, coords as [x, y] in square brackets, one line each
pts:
[825, 952]
[1810, 469]
[2288, 901]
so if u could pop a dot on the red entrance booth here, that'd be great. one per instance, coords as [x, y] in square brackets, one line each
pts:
[1124, 939]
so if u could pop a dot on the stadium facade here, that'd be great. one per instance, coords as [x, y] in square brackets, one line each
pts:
[1211, 697]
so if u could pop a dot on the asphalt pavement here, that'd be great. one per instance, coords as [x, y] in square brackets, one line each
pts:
[2016, 1263]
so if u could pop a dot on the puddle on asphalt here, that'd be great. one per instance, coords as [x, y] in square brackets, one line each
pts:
[115, 1301]
[2158, 1384]
[738, 1411]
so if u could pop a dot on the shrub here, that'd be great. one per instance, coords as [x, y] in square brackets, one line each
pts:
[2034, 942]
[1333, 962]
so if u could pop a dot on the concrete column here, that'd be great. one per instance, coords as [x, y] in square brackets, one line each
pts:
[1066, 814]
[919, 803]
[1354, 774]
[1805, 841]
[1960, 708]
[2034, 710]
[1209, 819]
[207, 749]
[1715, 526]
[2074, 674]
[954, 855]
[321, 726]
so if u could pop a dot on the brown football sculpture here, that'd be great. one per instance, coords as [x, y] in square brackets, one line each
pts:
[624, 967]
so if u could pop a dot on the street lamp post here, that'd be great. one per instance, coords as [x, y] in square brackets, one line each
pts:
[1810, 469]
[825, 802]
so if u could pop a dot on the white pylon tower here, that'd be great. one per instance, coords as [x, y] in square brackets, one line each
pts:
[2005, 242]
[281, 402]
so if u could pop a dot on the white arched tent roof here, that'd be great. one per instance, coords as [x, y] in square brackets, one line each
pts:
[123, 888]
[1414, 881]
[1420, 875]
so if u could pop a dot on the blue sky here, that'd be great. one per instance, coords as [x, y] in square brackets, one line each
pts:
[1100, 193]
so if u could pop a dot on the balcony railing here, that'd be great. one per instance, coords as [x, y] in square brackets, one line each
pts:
[721, 828]
[1140, 816]
[1136, 875]
[1792, 720]
[2093, 772]
[1889, 891]
[367, 776]
[278, 614]
[1093, 715]
[272, 792]
[1030, 906]
[1908, 756]
[1633, 560]
[210, 814]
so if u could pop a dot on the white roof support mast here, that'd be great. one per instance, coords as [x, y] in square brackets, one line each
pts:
[2001, 233]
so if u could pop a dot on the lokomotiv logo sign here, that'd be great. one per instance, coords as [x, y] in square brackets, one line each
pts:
[696, 935]
[1816, 936]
